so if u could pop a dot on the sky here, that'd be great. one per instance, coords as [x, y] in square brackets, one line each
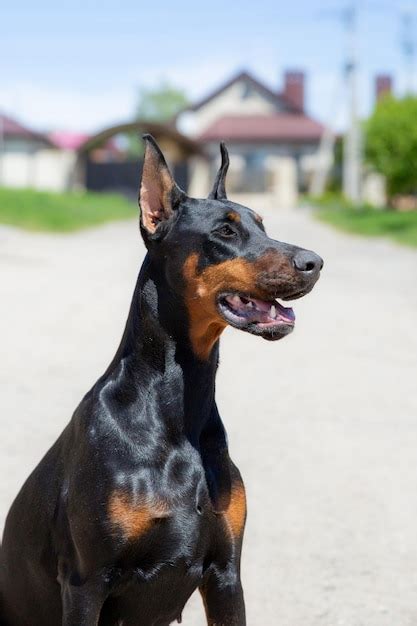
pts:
[79, 65]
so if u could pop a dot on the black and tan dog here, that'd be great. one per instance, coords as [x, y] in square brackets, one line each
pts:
[138, 503]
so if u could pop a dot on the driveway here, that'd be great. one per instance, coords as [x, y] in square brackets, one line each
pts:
[323, 425]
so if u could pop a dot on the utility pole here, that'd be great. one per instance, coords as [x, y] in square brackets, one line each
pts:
[408, 45]
[352, 148]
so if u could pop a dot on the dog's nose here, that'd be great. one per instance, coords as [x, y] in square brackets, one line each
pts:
[307, 261]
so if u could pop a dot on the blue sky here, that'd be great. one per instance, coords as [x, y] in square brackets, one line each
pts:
[79, 65]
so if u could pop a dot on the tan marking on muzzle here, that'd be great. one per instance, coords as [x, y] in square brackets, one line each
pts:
[202, 289]
[206, 324]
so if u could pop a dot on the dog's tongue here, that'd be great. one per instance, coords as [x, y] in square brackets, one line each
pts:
[286, 312]
[255, 310]
[281, 312]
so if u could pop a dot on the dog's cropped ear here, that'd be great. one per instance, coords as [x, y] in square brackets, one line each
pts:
[219, 189]
[159, 195]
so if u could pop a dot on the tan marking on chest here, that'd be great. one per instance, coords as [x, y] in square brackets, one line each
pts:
[235, 514]
[134, 519]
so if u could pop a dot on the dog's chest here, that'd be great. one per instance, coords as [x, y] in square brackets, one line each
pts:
[162, 507]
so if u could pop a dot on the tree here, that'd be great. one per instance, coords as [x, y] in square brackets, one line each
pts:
[391, 143]
[162, 103]
[156, 105]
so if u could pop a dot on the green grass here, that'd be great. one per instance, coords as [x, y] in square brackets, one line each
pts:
[61, 212]
[368, 221]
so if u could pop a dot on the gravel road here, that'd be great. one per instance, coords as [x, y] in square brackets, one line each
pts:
[323, 425]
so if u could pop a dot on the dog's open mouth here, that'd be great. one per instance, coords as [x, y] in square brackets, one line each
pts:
[267, 318]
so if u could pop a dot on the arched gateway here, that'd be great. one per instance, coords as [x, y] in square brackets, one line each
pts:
[100, 166]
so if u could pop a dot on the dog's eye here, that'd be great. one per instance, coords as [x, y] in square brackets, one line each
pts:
[226, 231]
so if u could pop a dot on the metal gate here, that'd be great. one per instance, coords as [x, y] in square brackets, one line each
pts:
[123, 177]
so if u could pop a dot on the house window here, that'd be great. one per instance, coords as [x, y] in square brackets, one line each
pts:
[254, 160]
[247, 91]
[254, 173]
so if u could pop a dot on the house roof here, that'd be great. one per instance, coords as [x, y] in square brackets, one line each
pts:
[290, 127]
[245, 76]
[9, 127]
[67, 140]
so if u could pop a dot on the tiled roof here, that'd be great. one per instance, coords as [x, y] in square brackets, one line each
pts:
[67, 140]
[11, 128]
[291, 127]
[248, 78]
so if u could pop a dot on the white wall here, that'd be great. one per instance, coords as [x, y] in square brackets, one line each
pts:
[236, 99]
[280, 176]
[47, 169]
[374, 190]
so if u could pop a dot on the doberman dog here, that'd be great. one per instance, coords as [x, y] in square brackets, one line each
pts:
[138, 503]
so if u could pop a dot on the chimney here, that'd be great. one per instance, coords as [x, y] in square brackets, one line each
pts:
[383, 86]
[294, 89]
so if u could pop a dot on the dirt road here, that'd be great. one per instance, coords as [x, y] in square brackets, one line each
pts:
[323, 424]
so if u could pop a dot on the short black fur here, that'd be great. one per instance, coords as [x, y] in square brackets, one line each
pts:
[137, 504]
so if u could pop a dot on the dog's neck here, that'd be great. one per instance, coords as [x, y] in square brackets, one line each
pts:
[156, 346]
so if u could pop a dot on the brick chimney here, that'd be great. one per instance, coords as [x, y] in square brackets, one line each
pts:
[383, 86]
[294, 88]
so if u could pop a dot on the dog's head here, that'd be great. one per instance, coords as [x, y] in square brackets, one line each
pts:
[218, 257]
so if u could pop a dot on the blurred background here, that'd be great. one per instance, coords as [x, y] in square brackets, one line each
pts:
[317, 102]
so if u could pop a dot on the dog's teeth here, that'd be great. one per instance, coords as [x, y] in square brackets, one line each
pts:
[272, 312]
[249, 304]
[236, 301]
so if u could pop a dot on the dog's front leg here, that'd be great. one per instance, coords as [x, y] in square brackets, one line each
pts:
[223, 601]
[82, 604]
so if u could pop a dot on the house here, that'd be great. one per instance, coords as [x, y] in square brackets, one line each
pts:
[63, 160]
[74, 142]
[272, 141]
[44, 161]
[31, 159]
